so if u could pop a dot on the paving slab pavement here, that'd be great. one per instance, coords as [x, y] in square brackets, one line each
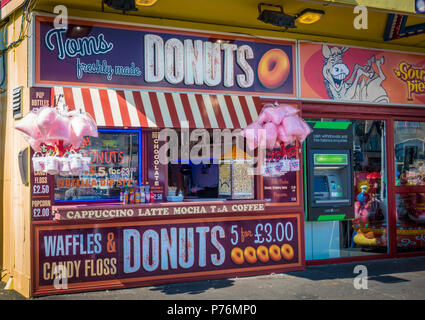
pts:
[390, 279]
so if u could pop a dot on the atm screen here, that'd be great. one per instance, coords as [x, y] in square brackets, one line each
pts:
[320, 184]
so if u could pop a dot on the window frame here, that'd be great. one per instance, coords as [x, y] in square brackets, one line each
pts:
[139, 131]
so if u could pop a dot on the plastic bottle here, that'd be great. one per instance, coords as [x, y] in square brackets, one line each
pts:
[121, 194]
[126, 193]
[147, 193]
[142, 194]
[136, 193]
[131, 193]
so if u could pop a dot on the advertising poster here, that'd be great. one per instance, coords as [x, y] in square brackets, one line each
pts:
[80, 257]
[97, 54]
[340, 73]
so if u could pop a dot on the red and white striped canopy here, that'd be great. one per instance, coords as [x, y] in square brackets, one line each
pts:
[122, 108]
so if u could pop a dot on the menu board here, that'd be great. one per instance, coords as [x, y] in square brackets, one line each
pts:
[41, 182]
[156, 170]
[280, 175]
[114, 163]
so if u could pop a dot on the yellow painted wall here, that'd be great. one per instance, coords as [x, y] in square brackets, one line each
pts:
[322, 31]
[407, 6]
[3, 105]
[15, 215]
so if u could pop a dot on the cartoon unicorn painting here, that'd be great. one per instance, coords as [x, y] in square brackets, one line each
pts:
[364, 84]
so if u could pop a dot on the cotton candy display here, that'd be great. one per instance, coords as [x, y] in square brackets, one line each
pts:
[28, 126]
[53, 127]
[255, 135]
[60, 129]
[54, 133]
[83, 125]
[271, 134]
[281, 124]
[45, 119]
[34, 143]
[307, 131]
[283, 136]
[293, 126]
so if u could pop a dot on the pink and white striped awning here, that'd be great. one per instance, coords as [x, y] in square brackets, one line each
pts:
[147, 109]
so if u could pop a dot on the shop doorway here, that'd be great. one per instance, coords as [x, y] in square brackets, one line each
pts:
[409, 167]
[398, 153]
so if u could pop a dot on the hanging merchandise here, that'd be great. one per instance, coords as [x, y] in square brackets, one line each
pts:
[56, 134]
[277, 125]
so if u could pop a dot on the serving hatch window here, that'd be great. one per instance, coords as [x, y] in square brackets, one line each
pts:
[217, 169]
[115, 160]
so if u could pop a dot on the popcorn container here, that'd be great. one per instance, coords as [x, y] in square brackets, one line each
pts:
[274, 168]
[66, 167]
[295, 165]
[38, 163]
[76, 164]
[285, 165]
[52, 165]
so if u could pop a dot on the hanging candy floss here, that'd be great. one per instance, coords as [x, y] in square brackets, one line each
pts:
[45, 119]
[255, 135]
[60, 132]
[271, 134]
[60, 129]
[83, 125]
[34, 143]
[31, 133]
[281, 124]
[307, 131]
[293, 126]
[284, 137]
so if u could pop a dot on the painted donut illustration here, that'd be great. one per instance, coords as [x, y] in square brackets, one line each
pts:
[274, 68]
[237, 256]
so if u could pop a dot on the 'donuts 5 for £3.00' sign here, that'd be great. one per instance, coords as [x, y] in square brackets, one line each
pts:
[143, 252]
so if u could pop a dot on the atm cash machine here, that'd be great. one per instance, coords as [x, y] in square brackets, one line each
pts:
[329, 171]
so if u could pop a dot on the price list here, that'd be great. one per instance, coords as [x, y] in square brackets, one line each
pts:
[281, 188]
[41, 183]
[155, 170]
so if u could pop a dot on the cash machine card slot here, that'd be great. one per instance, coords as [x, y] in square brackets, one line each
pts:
[333, 201]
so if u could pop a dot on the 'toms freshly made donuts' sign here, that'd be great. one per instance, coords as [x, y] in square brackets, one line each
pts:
[116, 56]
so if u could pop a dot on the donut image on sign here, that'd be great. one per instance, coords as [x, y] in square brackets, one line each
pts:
[287, 251]
[273, 68]
[274, 252]
[263, 254]
[237, 256]
[250, 255]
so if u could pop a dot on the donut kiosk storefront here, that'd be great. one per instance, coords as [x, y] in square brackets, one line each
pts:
[107, 211]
